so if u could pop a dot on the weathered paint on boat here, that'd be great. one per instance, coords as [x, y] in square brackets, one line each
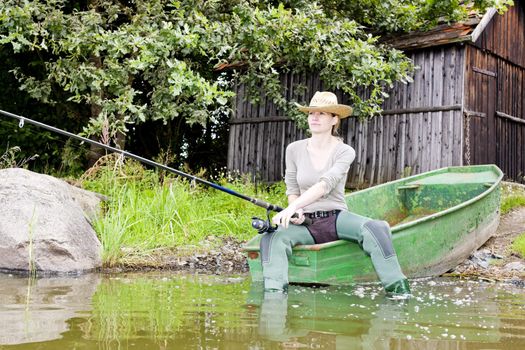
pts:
[438, 219]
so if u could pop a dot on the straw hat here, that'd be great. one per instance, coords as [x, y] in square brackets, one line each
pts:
[324, 101]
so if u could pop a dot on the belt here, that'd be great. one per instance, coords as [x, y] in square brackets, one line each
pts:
[321, 214]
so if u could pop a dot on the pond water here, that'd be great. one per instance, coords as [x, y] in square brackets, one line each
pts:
[174, 311]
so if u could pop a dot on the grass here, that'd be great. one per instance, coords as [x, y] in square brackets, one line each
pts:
[144, 213]
[513, 196]
[518, 246]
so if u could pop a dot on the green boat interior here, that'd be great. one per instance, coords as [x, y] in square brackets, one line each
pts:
[405, 201]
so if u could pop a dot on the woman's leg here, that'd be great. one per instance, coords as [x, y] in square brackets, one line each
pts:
[375, 238]
[276, 247]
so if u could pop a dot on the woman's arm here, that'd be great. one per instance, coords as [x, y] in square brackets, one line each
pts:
[297, 203]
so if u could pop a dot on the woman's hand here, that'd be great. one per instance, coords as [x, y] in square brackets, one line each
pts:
[299, 219]
[285, 216]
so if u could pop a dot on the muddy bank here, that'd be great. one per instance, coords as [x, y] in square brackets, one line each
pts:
[214, 256]
[495, 260]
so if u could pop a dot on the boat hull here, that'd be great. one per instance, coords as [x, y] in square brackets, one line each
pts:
[438, 219]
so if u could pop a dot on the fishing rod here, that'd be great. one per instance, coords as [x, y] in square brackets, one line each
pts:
[261, 225]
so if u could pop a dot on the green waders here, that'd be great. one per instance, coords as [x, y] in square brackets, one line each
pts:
[373, 236]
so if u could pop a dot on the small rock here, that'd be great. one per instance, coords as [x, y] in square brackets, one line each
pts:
[515, 266]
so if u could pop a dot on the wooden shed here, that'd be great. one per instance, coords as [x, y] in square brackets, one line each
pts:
[465, 106]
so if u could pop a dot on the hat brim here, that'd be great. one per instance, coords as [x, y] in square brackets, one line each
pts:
[342, 111]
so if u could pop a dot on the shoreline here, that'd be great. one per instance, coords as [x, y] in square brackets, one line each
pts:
[224, 256]
[493, 261]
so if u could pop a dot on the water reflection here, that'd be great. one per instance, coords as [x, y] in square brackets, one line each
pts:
[36, 310]
[171, 311]
[329, 317]
[449, 314]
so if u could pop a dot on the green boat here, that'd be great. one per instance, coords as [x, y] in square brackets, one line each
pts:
[438, 219]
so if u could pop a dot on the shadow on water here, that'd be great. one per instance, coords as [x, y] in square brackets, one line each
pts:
[173, 311]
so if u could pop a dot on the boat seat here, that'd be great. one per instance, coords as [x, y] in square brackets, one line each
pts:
[485, 177]
[443, 191]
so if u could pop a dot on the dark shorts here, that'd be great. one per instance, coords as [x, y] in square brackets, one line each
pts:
[323, 229]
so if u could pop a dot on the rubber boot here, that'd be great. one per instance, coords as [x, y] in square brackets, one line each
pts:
[398, 289]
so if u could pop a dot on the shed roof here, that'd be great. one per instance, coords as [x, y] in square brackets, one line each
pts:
[467, 30]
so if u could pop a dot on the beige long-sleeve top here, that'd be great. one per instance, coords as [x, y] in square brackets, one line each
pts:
[300, 175]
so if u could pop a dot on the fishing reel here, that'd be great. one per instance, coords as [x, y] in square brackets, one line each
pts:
[263, 226]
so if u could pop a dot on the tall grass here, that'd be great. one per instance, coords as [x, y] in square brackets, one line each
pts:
[143, 213]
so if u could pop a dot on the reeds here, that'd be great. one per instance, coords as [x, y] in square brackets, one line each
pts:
[144, 214]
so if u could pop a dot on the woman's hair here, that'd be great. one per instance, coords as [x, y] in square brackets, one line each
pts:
[335, 128]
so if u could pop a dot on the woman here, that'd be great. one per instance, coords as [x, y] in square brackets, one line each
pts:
[316, 172]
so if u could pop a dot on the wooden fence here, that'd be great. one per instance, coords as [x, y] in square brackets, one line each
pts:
[421, 128]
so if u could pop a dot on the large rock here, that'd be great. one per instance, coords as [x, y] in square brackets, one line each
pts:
[44, 224]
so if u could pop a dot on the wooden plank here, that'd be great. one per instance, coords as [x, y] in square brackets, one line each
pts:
[422, 109]
[469, 113]
[395, 145]
[423, 100]
[457, 149]
[484, 72]
[373, 153]
[363, 142]
[360, 152]
[380, 150]
[272, 176]
[261, 128]
[406, 137]
[452, 92]
[412, 142]
[256, 120]
[391, 147]
[401, 141]
[446, 129]
[437, 92]
[373, 150]
[482, 135]
[485, 20]
[491, 112]
[231, 147]
[510, 117]
[415, 127]
[432, 152]
[348, 140]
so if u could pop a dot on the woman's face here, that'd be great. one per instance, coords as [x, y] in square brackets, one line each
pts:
[321, 122]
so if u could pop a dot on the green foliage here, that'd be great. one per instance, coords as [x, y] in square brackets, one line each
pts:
[518, 246]
[512, 196]
[143, 214]
[511, 202]
[107, 56]
[10, 158]
[277, 39]
[387, 16]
